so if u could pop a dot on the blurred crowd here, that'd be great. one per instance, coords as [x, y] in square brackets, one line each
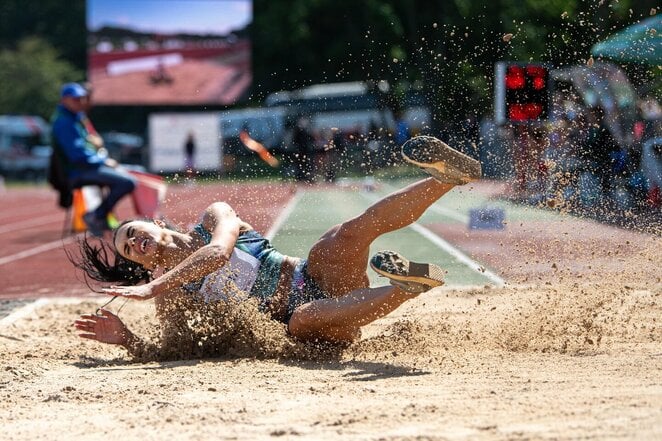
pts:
[313, 154]
[587, 158]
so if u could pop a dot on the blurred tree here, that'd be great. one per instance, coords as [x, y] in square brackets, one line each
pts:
[445, 47]
[60, 23]
[35, 72]
[312, 41]
[448, 47]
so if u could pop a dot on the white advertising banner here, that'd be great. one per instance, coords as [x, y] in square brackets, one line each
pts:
[178, 141]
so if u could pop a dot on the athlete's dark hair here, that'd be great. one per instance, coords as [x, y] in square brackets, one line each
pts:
[103, 264]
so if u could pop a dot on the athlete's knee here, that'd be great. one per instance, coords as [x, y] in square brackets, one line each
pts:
[368, 225]
[131, 184]
[353, 231]
[339, 239]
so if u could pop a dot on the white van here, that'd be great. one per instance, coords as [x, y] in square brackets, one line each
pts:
[266, 125]
[24, 146]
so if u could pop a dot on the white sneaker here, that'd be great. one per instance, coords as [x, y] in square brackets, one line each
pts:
[409, 276]
[440, 161]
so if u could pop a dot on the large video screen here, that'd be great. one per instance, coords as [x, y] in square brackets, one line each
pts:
[169, 52]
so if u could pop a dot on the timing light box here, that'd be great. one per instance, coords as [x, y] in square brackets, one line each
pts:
[521, 92]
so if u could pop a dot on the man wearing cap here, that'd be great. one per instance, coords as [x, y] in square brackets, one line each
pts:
[82, 163]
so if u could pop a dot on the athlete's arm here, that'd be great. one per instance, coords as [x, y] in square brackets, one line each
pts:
[223, 224]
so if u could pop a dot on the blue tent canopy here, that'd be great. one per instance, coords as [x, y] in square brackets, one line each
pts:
[638, 43]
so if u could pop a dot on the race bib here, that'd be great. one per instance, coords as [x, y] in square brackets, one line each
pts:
[234, 280]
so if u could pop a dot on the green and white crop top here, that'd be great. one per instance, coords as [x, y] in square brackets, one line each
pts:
[254, 268]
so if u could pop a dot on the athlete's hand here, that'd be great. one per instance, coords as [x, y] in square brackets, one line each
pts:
[140, 292]
[105, 328]
[110, 162]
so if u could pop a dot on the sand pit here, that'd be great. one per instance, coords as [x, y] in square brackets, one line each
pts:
[536, 362]
[571, 351]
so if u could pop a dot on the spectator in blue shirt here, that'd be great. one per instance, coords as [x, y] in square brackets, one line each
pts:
[82, 163]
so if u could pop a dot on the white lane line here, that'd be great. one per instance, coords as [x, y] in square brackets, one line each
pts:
[23, 311]
[457, 254]
[450, 249]
[284, 214]
[27, 223]
[28, 210]
[36, 250]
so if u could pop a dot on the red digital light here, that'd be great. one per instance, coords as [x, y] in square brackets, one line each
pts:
[535, 71]
[525, 97]
[523, 112]
[538, 83]
[515, 78]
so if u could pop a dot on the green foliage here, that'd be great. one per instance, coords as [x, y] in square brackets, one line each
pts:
[60, 23]
[316, 41]
[447, 46]
[35, 74]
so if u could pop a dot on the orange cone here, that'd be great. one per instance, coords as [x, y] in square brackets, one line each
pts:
[77, 222]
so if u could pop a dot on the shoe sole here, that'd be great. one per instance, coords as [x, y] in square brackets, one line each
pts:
[397, 267]
[440, 160]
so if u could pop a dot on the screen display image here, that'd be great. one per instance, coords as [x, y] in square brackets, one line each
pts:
[174, 52]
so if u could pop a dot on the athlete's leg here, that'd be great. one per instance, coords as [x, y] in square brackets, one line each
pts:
[340, 319]
[339, 259]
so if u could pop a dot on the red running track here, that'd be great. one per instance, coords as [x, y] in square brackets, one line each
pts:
[33, 262]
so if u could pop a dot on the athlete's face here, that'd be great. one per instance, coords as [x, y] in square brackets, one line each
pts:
[141, 242]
